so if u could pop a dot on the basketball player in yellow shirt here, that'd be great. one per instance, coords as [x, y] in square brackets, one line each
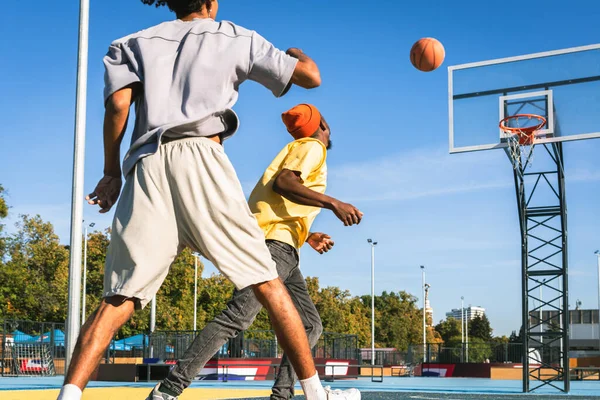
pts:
[285, 203]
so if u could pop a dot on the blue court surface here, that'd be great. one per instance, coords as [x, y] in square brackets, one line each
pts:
[391, 388]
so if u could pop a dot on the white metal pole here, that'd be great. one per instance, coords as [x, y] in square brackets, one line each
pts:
[372, 304]
[569, 319]
[467, 332]
[542, 313]
[424, 324]
[153, 314]
[560, 324]
[85, 238]
[72, 328]
[152, 323]
[195, 290]
[462, 327]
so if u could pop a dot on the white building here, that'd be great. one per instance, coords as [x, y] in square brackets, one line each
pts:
[469, 313]
[428, 308]
[584, 328]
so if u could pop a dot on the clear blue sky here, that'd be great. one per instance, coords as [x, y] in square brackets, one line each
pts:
[455, 214]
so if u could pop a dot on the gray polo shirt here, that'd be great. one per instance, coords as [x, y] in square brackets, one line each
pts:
[190, 72]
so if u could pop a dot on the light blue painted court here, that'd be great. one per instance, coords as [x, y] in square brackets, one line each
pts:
[390, 388]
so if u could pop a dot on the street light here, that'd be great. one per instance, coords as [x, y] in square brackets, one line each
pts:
[196, 256]
[85, 239]
[465, 315]
[462, 326]
[373, 244]
[74, 288]
[424, 333]
[597, 253]
[152, 324]
[541, 312]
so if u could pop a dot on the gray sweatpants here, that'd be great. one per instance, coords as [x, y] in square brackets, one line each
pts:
[241, 311]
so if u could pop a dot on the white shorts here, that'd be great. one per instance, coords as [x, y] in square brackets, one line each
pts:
[187, 194]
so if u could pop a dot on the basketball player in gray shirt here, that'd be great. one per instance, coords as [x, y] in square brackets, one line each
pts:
[180, 189]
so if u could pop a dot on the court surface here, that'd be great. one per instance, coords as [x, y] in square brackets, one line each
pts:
[390, 389]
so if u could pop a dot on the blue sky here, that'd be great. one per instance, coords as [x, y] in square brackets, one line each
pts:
[455, 214]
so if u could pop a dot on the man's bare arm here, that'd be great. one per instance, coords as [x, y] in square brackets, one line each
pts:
[116, 116]
[306, 74]
[289, 185]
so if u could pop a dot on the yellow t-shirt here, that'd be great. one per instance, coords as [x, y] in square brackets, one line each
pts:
[278, 217]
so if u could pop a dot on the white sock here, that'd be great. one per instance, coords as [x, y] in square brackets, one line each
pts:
[313, 390]
[70, 392]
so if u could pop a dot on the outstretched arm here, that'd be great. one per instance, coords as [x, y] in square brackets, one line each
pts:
[289, 185]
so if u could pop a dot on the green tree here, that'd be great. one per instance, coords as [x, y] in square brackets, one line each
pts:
[448, 329]
[479, 327]
[96, 257]
[339, 311]
[34, 277]
[175, 300]
[398, 320]
[553, 326]
[516, 337]
[478, 350]
[501, 339]
[214, 293]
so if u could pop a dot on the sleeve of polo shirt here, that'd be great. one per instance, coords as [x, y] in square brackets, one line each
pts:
[118, 70]
[305, 158]
[270, 66]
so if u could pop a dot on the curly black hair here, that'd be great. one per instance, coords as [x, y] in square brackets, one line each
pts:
[179, 7]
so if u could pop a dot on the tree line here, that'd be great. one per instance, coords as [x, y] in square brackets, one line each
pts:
[34, 269]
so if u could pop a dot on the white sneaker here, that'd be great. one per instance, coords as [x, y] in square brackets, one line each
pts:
[156, 395]
[337, 394]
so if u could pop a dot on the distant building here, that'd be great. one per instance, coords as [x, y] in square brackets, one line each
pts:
[584, 329]
[428, 308]
[469, 313]
[428, 313]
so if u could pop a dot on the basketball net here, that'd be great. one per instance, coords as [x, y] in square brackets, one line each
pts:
[521, 137]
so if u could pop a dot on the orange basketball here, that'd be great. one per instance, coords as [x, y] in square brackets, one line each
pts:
[427, 54]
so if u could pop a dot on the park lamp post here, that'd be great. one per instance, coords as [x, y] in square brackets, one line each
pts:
[373, 244]
[424, 320]
[85, 241]
[196, 257]
[74, 289]
[597, 253]
[462, 327]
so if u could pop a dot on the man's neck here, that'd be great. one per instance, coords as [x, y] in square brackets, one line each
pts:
[319, 137]
[194, 15]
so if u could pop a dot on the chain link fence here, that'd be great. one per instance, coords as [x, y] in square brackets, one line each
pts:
[32, 348]
[171, 345]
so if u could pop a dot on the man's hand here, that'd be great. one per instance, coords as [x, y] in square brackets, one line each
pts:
[346, 213]
[321, 242]
[294, 52]
[306, 74]
[106, 193]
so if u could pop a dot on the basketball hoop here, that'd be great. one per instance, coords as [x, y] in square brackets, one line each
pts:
[521, 139]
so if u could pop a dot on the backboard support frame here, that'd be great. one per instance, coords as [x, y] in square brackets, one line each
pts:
[544, 262]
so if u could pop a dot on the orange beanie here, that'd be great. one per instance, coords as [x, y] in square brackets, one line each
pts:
[302, 120]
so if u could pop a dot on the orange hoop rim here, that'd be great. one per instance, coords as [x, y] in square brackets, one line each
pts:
[522, 131]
